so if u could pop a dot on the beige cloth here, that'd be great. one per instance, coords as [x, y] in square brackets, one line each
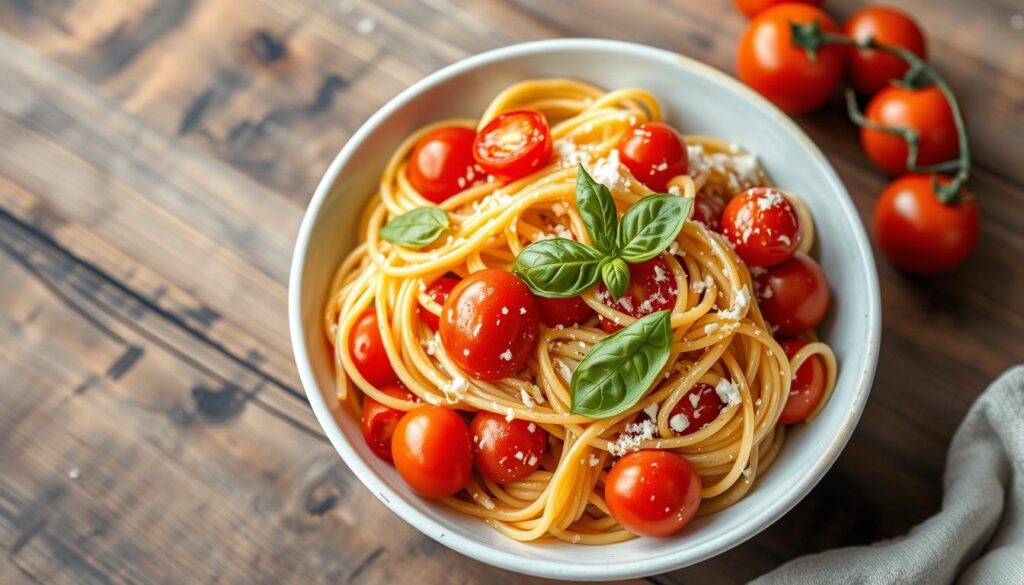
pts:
[978, 535]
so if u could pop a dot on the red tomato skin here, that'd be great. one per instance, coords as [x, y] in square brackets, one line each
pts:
[367, 350]
[651, 280]
[532, 156]
[751, 8]
[920, 234]
[770, 64]
[655, 154]
[564, 312]
[708, 211]
[652, 493]
[925, 110]
[440, 159]
[490, 323]
[496, 441]
[432, 451]
[378, 422]
[794, 295]
[438, 291]
[871, 71]
[707, 408]
[762, 236]
[807, 387]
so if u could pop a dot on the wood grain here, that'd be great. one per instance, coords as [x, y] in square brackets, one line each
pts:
[156, 158]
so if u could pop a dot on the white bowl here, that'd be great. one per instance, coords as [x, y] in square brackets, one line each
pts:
[696, 99]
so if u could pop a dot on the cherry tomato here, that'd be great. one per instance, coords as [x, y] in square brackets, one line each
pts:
[513, 145]
[564, 312]
[654, 153]
[919, 233]
[438, 291]
[506, 451]
[652, 288]
[378, 421]
[652, 493]
[925, 110]
[807, 387]
[752, 8]
[870, 70]
[708, 209]
[762, 226]
[698, 407]
[367, 350]
[432, 451]
[782, 72]
[489, 324]
[793, 295]
[441, 163]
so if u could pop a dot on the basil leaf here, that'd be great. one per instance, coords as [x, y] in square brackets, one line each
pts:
[558, 268]
[650, 225]
[416, 228]
[615, 275]
[620, 368]
[597, 209]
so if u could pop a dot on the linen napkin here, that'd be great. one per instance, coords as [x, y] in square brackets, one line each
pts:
[978, 535]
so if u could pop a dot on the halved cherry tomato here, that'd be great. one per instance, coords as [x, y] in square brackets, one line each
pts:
[870, 71]
[441, 163]
[367, 350]
[438, 291]
[513, 145]
[654, 153]
[506, 451]
[378, 421]
[432, 451]
[652, 288]
[807, 387]
[924, 110]
[762, 226]
[564, 312]
[698, 407]
[707, 209]
[919, 233]
[793, 295]
[782, 72]
[652, 493]
[489, 324]
[752, 8]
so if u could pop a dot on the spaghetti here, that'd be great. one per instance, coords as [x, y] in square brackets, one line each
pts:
[719, 336]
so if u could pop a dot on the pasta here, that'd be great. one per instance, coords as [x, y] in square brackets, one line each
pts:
[718, 334]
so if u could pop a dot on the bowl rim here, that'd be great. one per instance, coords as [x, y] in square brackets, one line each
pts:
[624, 569]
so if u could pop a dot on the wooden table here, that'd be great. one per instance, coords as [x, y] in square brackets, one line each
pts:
[155, 159]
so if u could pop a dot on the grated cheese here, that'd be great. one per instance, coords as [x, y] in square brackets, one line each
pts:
[659, 274]
[694, 399]
[728, 392]
[632, 436]
[679, 422]
[700, 286]
[772, 198]
[527, 400]
[651, 410]
[739, 305]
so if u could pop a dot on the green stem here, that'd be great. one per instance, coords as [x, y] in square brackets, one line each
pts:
[920, 73]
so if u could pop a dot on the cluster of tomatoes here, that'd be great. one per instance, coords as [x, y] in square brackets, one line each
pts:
[919, 228]
[764, 229]
[489, 324]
